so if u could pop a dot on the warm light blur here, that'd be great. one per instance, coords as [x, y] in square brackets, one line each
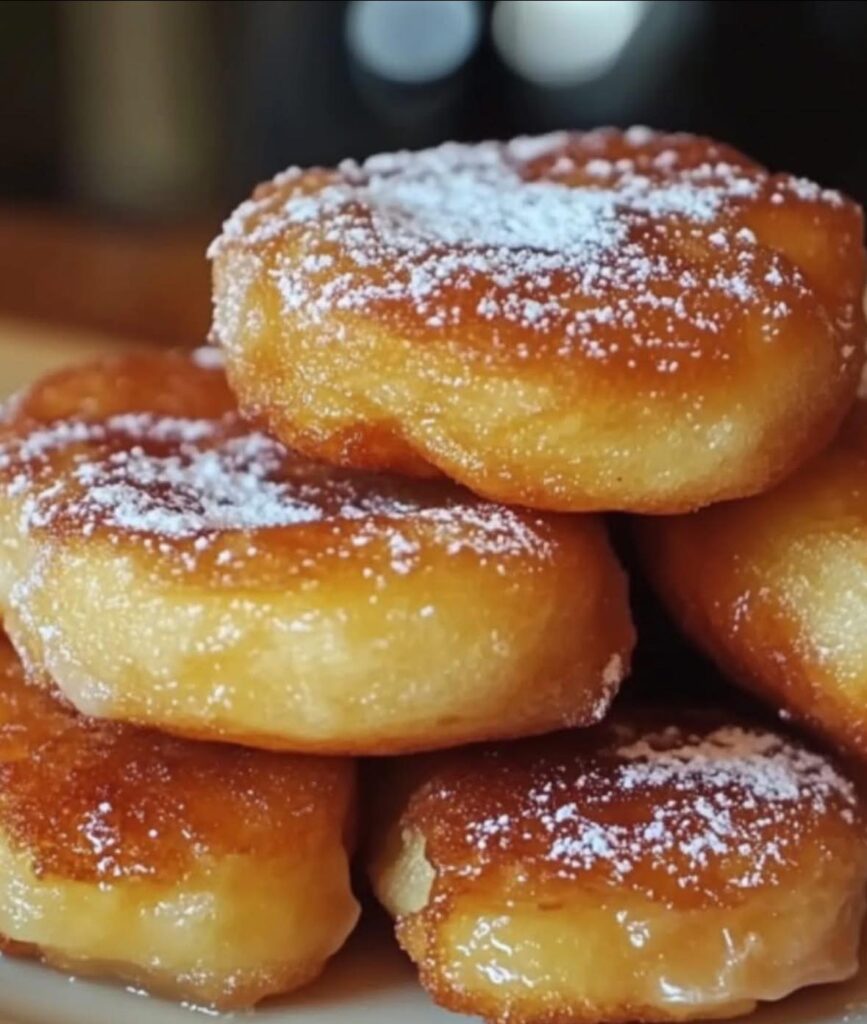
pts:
[560, 42]
[412, 41]
[129, 129]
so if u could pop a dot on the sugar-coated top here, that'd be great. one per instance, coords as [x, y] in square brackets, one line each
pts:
[99, 802]
[691, 813]
[143, 476]
[579, 237]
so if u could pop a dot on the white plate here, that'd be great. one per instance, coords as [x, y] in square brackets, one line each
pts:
[370, 982]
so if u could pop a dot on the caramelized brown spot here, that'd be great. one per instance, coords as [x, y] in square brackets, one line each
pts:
[95, 801]
[654, 255]
[693, 814]
[126, 460]
[609, 320]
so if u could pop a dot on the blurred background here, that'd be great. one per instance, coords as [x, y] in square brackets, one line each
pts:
[130, 128]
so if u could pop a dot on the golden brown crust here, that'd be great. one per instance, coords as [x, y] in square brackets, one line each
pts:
[98, 801]
[227, 588]
[135, 830]
[661, 866]
[775, 588]
[164, 384]
[588, 321]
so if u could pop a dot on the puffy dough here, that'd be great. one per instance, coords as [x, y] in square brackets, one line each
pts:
[169, 565]
[205, 872]
[775, 588]
[659, 867]
[621, 321]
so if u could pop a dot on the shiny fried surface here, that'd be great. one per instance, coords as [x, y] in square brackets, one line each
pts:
[169, 565]
[211, 873]
[658, 867]
[775, 588]
[608, 320]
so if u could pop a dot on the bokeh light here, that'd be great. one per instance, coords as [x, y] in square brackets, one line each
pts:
[413, 41]
[564, 42]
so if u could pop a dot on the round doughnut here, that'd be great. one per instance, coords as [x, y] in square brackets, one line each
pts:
[609, 320]
[169, 565]
[774, 589]
[663, 866]
[209, 873]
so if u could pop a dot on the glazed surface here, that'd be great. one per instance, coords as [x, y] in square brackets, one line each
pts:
[657, 867]
[775, 588]
[129, 853]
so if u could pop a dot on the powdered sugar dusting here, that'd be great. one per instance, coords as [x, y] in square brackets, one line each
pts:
[208, 357]
[670, 810]
[165, 478]
[759, 762]
[585, 240]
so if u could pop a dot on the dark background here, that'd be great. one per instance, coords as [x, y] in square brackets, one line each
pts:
[141, 123]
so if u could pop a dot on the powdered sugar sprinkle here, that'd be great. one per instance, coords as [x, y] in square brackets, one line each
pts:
[165, 478]
[674, 807]
[423, 229]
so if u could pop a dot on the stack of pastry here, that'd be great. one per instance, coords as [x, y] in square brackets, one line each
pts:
[375, 532]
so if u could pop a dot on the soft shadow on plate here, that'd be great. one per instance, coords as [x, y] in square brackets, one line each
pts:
[370, 982]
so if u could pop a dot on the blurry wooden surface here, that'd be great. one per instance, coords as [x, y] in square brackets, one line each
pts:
[144, 282]
[29, 349]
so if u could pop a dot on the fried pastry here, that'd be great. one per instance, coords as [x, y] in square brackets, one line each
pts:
[209, 873]
[167, 564]
[774, 589]
[658, 867]
[609, 320]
